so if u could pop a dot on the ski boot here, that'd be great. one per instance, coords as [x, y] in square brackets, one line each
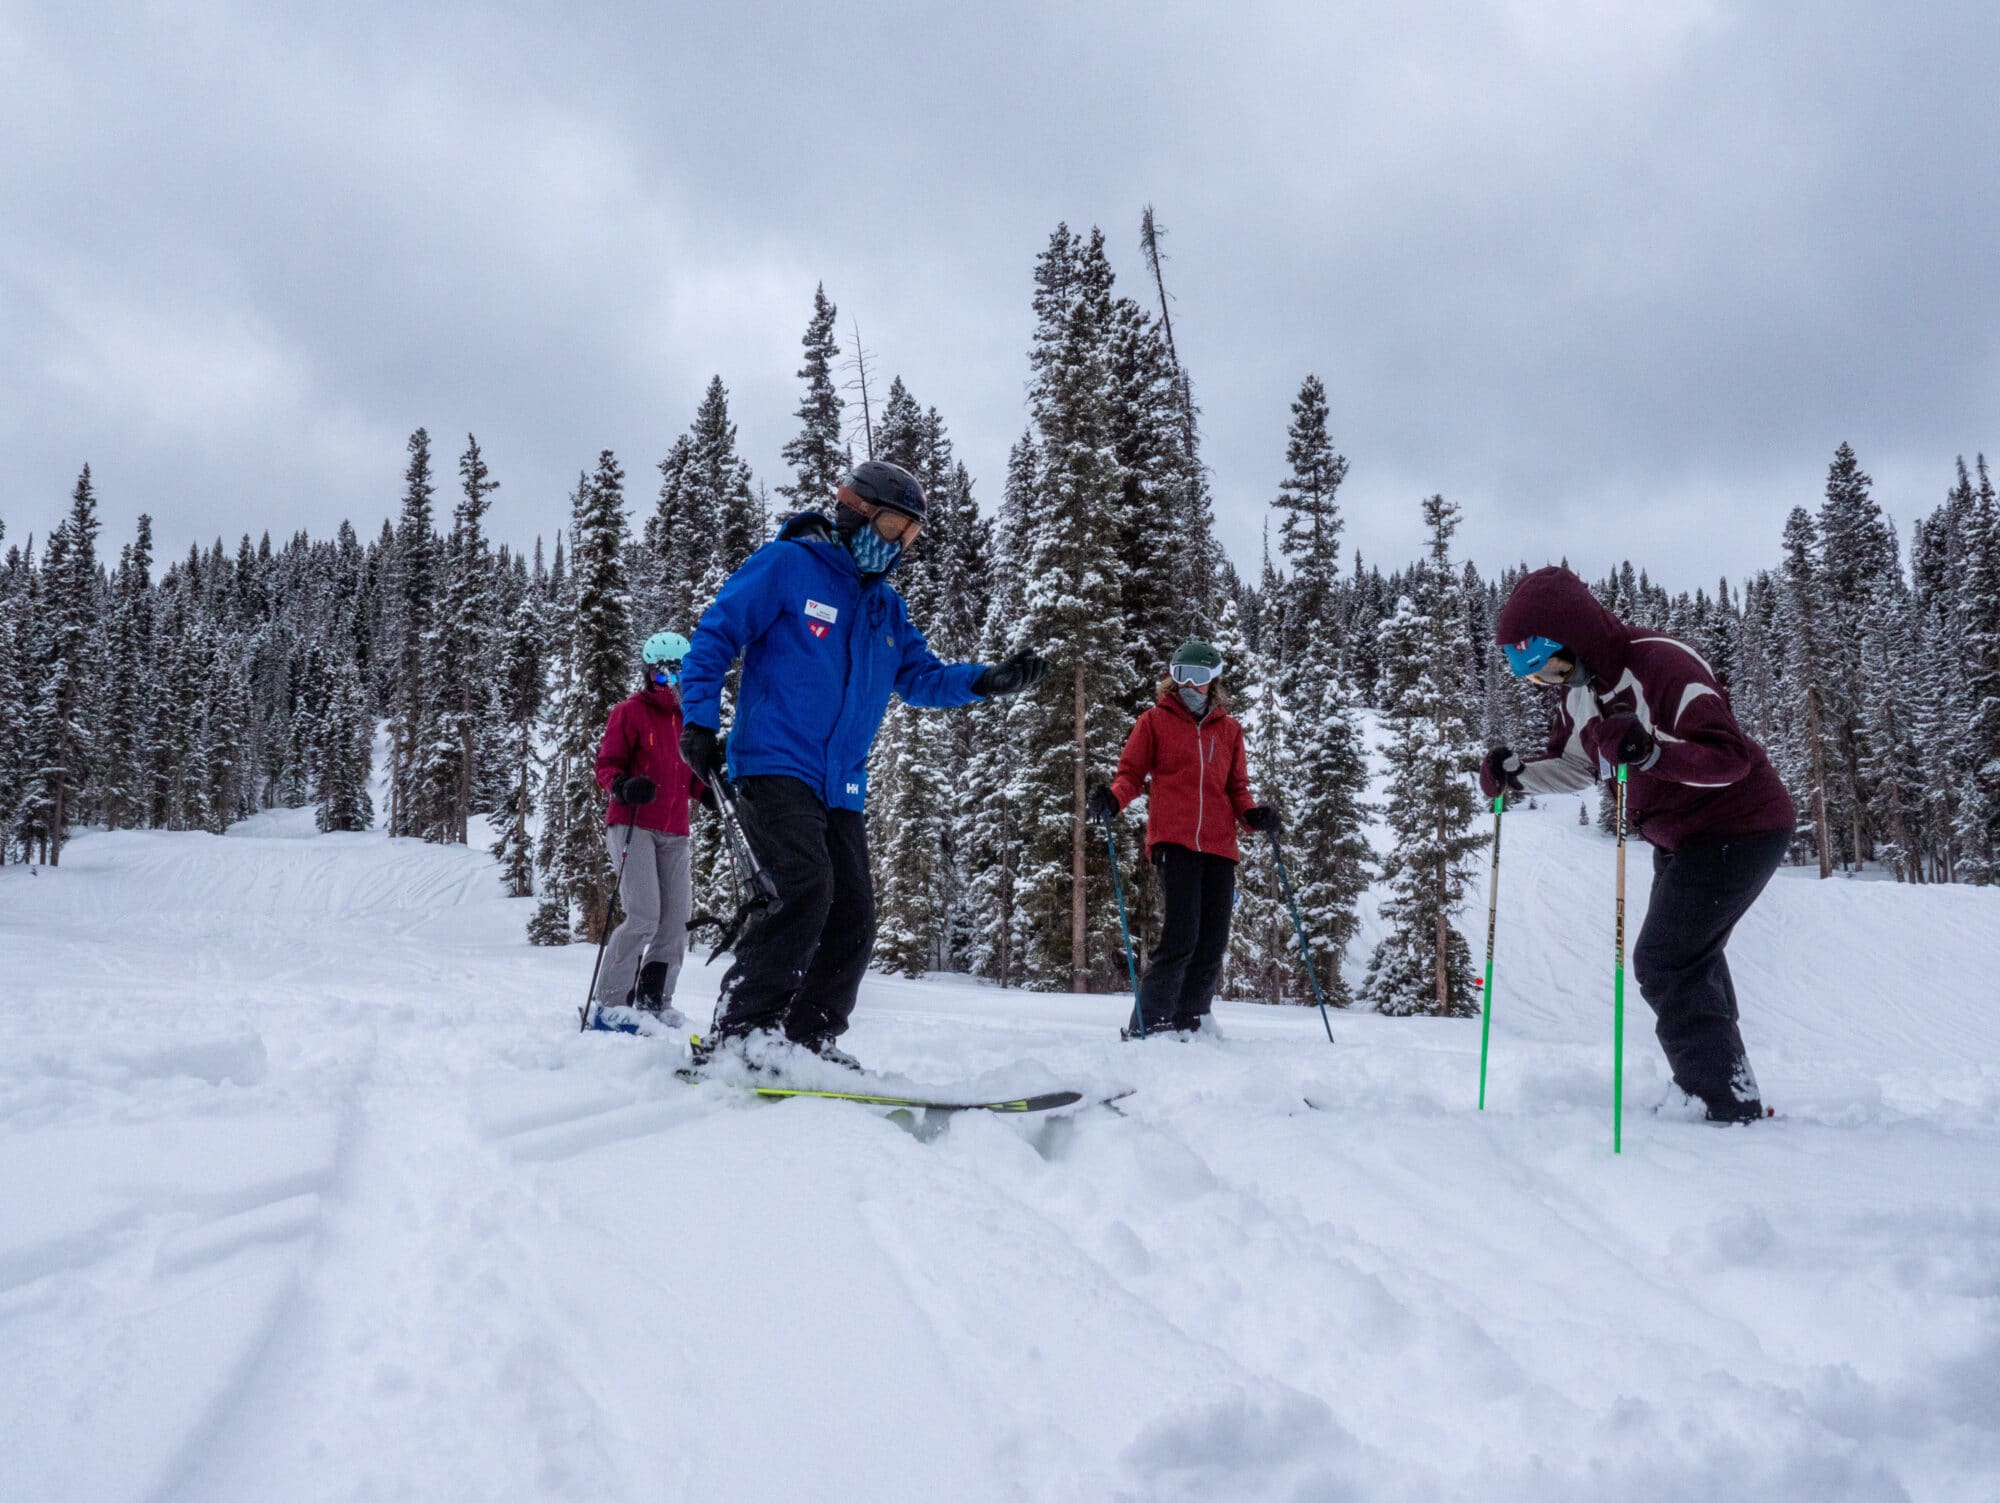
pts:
[648, 995]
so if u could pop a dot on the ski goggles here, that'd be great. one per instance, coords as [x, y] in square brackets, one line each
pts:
[1530, 656]
[1194, 674]
[667, 674]
[890, 525]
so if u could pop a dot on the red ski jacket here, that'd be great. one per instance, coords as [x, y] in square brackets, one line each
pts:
[643, 738]
[1200, 777]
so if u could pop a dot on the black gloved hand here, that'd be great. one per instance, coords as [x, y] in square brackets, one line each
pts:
[1501, 770]
[1619, 738]
[1101, 805]
[1022, 671]
[635, 790]
[1262, 817]
[706, 798]
[702, 750]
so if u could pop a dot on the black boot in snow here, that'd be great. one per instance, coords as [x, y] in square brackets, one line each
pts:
[825, 1047]
[649, 994]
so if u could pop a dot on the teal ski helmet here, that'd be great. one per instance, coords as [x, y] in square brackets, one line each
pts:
[662, 655]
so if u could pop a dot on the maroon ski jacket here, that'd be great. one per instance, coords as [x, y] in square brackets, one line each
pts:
[643, 738]
[1707, 777]
[1201, 778]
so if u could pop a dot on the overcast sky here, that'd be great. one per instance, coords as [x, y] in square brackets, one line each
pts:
[1616, 277]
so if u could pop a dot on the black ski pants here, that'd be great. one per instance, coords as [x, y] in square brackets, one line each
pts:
[1699, 892]
[799, 965]
[1199, 895]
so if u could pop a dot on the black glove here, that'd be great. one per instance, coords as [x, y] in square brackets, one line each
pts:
[1022, 671]
[633, 790]
[1619, 738]
[1262, 817]
[707, 798]
[702, 750]
[1501, 770]
[1102, 805]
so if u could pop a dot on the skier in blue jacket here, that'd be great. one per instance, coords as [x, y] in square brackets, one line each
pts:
[825, 640]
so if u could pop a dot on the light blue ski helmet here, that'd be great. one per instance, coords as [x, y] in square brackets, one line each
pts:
[664, 647]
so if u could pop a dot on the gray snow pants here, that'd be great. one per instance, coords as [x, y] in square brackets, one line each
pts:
[657, 893]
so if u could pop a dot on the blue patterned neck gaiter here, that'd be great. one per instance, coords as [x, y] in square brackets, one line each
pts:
[1195, 699]
[872, 552]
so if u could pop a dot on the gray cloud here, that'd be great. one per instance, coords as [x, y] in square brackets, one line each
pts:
[1616, 278]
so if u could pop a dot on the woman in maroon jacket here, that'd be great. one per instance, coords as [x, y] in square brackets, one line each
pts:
[1191, 749]
[639, 764]
[1700, 791]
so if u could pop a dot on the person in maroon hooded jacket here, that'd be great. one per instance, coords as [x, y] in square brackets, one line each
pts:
[639, 764]
[1700, 791]
[1191, 750]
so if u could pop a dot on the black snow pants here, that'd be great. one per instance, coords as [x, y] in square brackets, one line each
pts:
[799, 965]
[1199, 893]
[1699, 892]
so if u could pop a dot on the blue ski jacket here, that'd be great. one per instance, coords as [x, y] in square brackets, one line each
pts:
[822, 652]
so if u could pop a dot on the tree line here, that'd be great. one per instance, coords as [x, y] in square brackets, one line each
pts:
[469, 682]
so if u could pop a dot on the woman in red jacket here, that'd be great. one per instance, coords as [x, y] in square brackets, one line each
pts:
[639, 764]
[1191, 750]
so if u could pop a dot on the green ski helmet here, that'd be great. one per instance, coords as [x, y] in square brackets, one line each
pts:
[662, 655]
[1194, 662]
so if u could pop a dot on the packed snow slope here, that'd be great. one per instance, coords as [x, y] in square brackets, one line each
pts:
[312, 1190]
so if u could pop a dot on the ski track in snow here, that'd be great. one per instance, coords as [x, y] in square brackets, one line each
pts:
[314, 1192]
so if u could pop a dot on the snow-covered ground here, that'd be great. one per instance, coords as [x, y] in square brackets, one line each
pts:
[312, 1190]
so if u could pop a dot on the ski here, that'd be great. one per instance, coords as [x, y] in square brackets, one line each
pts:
[1047, 1101]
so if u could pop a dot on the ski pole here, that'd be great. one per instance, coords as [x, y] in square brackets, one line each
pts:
[1299, 927]
[583, 1012]
[1492, 924]
[1125, 928]
[1618, 990]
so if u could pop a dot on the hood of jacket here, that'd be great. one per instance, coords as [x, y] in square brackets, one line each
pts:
[1554, 603]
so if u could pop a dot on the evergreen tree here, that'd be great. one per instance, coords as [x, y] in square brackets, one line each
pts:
[1308, 497]
[523, 686]
[412, 715]
[460, 649]
[1423, 964]
[1072, 612]
[601, 667]
[817, 456]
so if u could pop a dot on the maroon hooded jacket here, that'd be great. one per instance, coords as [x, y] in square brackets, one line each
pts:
[1707, 777]
[643, 738]
[1200, 776]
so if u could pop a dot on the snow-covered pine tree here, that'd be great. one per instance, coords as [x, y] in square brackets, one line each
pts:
[413, 565]
[344, 753]
[818, 455]
[127, 758]
[1423, 964]
[1308, 499]
[992, 820]
[459, 651]
[523, 686]
[1805, 757]
[1072, 612]
[1857, 558]
[601, 674]
[65, 743]
[1330, 859]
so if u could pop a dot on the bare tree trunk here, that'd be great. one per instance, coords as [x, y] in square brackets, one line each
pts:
[1079, 977]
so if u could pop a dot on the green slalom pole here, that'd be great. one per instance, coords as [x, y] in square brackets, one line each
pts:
[1618, 990]
[1492, 924]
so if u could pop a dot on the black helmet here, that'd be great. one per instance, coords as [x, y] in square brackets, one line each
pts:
[882, 484]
